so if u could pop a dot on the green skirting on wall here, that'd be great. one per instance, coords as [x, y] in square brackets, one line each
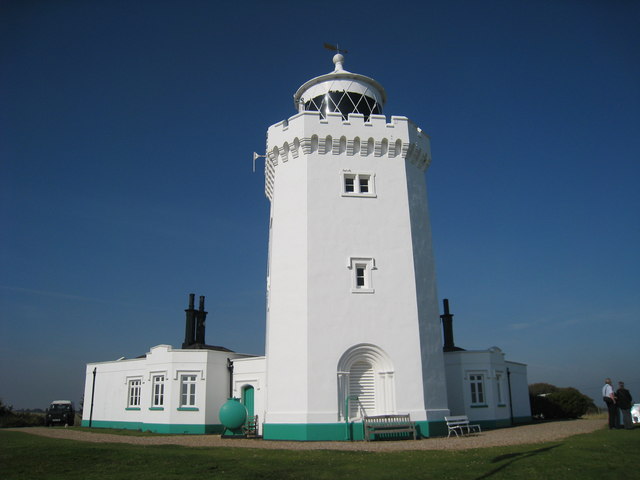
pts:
[502, 423]
[352, 431]
[156, 427]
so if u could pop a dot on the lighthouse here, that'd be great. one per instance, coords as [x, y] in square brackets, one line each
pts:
[353, 326]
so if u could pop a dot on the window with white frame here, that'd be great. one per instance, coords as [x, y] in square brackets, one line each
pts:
[476, 382]
[188, 390]
[133, 393]
[157, 390]
[358, 185]
[361, 268]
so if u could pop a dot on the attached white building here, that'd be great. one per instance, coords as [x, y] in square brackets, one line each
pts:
[353, 327]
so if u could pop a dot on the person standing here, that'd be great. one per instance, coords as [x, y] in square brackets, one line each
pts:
[624, 402]
[610, 399]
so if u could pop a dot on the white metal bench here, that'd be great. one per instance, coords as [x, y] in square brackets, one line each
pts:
[387, 426]
[460, 426]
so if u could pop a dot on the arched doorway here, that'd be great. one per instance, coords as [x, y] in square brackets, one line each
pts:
[365, 383]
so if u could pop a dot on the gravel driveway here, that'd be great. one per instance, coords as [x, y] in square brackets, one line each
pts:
[526, 434]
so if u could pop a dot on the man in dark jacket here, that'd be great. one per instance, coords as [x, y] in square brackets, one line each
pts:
[624, 402]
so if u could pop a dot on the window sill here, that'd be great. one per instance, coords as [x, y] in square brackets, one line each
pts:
[156, 408]
[364, 195]
[479, 406]
[132, 408]
[502, 405]
[188, 409]
[362, 290]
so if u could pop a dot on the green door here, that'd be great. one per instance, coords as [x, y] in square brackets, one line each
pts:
[247, 400]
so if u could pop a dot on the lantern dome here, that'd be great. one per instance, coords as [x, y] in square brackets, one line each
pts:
[342, 92]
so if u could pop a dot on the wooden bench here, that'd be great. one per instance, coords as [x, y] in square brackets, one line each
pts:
[388, 426]
[460, 426]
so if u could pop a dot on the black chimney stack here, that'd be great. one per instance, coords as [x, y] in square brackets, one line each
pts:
[447, 327]
[201, 316]
[189, 334]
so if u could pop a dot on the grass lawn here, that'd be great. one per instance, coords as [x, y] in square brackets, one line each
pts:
[600, 455]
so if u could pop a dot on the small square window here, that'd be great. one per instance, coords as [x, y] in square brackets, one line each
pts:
[358, 185]
[361, 274]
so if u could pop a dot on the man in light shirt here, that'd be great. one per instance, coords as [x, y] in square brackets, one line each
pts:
[610, 399]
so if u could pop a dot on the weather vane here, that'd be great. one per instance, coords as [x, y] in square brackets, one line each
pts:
[335, 48]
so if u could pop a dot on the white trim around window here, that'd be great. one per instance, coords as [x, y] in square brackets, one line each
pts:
[361, 184]
[134, 389]
[361, 278]
[188, 382]
[477, 390]
[158, 385]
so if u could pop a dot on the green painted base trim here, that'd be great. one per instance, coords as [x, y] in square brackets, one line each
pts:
[312, 431]
[428, 429]
[132, 408]
[188, 409]
[157, 427]
[353, 431]
[523, 420]
[156, 408]
[501, 422]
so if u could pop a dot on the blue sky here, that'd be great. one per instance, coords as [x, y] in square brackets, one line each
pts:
[126, 183]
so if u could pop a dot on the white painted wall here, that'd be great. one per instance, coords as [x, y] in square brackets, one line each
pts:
[313, 317]
[111, 387]
[490, 363]
[251, 371]
[519, 390]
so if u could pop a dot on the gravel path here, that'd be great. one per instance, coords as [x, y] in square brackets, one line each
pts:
[526, 434]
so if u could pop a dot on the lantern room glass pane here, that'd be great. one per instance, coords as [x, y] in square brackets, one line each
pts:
[343, 103]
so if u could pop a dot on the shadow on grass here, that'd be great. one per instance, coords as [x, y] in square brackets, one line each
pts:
[514, 457]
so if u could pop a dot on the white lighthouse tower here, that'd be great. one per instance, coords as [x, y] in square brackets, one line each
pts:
[352, 315]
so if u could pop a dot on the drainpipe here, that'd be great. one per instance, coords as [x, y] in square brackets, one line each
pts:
[510, 399]
[93, 391]
[346, 415]
[230, 368]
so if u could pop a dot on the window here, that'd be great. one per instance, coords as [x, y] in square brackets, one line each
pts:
[344, 103]
[358, 185]
[364, 184]
[157, 389]
[476, 382]
[349, 186]
[133, 396]
[188, 391]
[361, 274]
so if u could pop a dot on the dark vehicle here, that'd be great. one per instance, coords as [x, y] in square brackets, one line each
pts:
[60, 412]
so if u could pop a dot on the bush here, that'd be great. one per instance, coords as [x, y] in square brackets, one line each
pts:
[536, 389]
[9, 418]
[560, 403]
